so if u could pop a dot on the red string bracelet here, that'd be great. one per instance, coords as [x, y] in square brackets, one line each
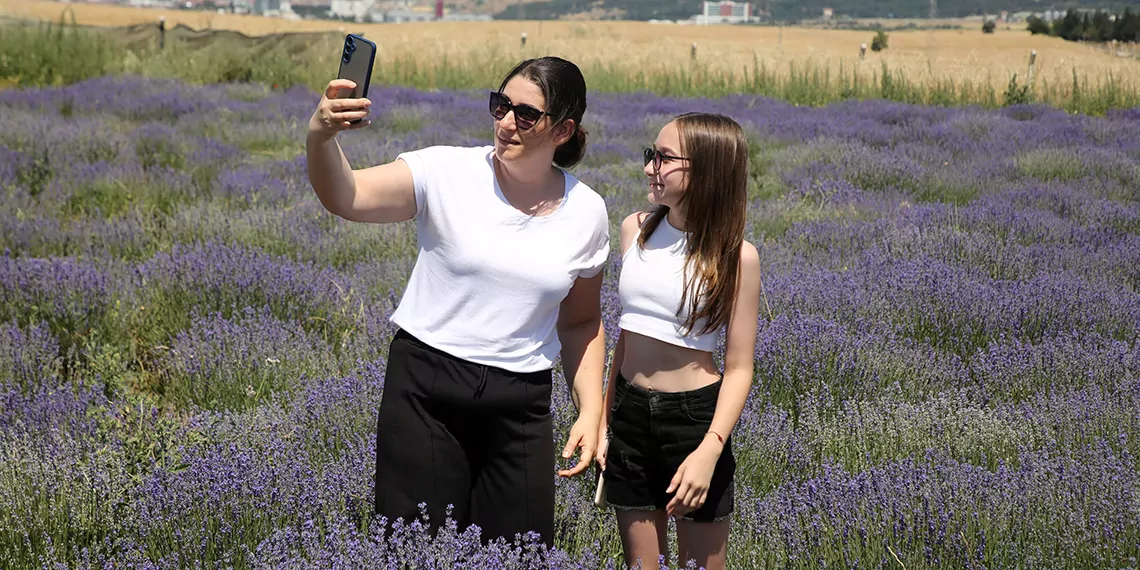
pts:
[718, 437]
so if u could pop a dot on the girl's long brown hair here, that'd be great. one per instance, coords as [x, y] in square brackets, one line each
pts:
[715, 202]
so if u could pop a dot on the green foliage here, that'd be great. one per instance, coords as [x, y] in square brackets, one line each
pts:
[1100, 27]
[1016, 94]
[54, 54]
[1037, 26]
[35, 174]
[879, 42]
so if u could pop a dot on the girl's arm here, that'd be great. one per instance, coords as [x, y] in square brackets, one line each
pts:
[740, 348]
[630, 227]
[691, 482]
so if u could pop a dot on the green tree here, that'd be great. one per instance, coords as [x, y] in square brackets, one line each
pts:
[1086, 32]
[1118, 26]
[1069, 27]
[1129, 24]
[989, 26]
[1101, 27]
[1038, 26]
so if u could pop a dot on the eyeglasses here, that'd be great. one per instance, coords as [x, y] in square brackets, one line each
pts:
[525, 115]
[657, 157]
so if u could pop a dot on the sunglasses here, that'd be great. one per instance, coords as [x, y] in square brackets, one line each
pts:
[657, 157]
[525, 115]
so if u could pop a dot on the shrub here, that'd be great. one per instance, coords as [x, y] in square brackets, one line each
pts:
[879, 42]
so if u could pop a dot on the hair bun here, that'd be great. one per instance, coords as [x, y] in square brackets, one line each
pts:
[571, 152]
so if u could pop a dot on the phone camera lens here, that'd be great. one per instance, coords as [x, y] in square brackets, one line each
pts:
[349, 48]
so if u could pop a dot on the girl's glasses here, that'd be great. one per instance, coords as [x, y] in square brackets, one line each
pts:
[657, 157]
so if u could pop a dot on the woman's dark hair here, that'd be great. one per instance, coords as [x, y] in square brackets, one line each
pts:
[564, 89]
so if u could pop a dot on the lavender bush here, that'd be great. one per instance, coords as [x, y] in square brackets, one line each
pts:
[192, 349]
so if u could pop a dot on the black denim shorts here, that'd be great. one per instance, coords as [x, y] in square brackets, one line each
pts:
[651, 433]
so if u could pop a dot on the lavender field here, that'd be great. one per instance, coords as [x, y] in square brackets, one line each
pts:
[192, 349]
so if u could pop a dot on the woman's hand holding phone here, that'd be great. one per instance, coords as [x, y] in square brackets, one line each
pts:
[334, 114]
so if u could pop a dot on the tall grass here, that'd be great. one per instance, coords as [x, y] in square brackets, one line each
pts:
[53, 54]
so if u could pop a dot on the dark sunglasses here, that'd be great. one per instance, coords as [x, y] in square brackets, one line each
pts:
[525, 115]
[657, 157]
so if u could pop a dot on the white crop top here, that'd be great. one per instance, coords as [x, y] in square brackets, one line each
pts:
[489, 280]
[650, 286]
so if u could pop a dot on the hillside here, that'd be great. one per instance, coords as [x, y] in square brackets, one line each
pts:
[795, 10]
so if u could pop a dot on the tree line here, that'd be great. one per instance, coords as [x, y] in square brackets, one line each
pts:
[792, 11]
[1099, 26]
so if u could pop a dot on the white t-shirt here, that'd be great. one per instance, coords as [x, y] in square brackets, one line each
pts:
[489, 279]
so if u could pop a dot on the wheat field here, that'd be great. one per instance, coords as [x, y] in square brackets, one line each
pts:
[964, 56]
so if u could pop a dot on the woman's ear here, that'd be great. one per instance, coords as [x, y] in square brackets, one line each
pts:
[564, 131]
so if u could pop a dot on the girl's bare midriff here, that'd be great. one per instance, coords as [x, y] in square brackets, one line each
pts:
[654, 365]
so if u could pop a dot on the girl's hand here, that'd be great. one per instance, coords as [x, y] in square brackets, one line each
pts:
[691, 482]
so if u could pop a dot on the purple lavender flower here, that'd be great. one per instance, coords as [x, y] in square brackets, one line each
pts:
[192, 349]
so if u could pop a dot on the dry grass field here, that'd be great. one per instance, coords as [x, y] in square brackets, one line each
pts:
[964, 56]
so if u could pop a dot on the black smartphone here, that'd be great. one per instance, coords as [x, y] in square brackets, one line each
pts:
[356, 59]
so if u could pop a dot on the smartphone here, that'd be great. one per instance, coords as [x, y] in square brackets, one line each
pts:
[600, 491]
[356, 59]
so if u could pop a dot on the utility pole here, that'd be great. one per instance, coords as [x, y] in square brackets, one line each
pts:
[933, 9]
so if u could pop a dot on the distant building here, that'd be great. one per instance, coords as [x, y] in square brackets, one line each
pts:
[354, 10]
[271, 7]
[311, 8]
[726, 12]
[828, 13]
[405, 11]
[407, 16]
[151, 3]
[466, 17]
[400, 16]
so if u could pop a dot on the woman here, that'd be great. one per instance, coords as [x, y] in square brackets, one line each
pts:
[508, 275]
[687, 274]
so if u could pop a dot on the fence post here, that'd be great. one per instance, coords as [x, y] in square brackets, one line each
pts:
[1032, 65]
[863, 50]
[522, 40]
[162, 33]
[693, 52]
